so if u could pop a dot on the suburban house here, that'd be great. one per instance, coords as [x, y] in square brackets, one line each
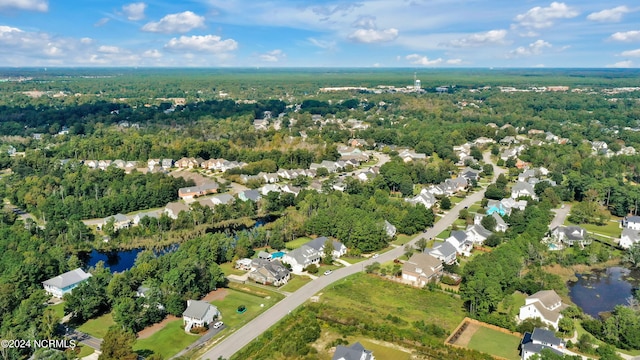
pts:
[65, 283]
[477, 233]
[250, 195]
[319, 243]
[389, 229]
[221, 199]
[200, 190]
[266, 189]
[628, 238]
[358, 142]
[425, 198]
[421, 269]
[199, 314]
[501, 225]
[410, 155]
[353, 352]
[188, 163]
[443, 251]
[538, 340]
[571, 235]
[452, 186]
[631, 222]
[269, 272]
[523, 189]
[302, 257]
[459, 240]
[545, 305]
[149, 214]
[120, 221]
[172, 209]
[470, 174]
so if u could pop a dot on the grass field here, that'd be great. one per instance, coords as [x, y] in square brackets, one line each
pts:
[402, 239]
[85, 351]
[97, 327]
[366, 296]
[228, 269]
[295, 283]
[444, 235]
[234, 298]
[353, 260]
[166, 342]
[610, 229]
[383, 352]
[292, 245]
[495, 343]
[58, 309]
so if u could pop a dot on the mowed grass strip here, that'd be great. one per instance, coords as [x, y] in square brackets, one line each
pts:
[295, 283]
[234, 298]
[366, 296]
[167, 341]
[97, 327]
[294, 244]
[496, 343]
[383, 352]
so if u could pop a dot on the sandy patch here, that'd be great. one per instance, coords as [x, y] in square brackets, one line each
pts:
[216, 295]
[467, 334]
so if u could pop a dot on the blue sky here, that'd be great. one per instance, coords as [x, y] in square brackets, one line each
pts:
[313, 33]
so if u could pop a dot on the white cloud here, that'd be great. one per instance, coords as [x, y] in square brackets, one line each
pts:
[535, 48]
[543, 17]
[369, 36]
[134, 11]
[631, 53]
[422, 60]
[633, 35]
[35, 5]
[365, 22]
[481, 39]
[154, 54]
[176, 23]
[109, 49]
[322, 44]
[454, 61]
[101, 22]
[609, 15]
[622, 64]
[273, 56]
[207, 43]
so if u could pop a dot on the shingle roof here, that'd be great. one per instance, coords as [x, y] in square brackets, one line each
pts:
[318, 244]
[67, 279]
[545, 336]
[354, 352]
[197, 309]
[548, 298]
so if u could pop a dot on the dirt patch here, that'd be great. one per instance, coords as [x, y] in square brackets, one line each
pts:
[467, 334]
[219, 294]
[150, 330]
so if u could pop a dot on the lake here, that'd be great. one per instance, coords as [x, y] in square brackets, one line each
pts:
[602, 290]
[123, 260]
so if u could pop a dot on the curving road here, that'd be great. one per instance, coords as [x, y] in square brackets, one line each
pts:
[243, 336]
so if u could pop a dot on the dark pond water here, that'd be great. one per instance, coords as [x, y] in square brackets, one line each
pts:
[122, 260]
[602, 290]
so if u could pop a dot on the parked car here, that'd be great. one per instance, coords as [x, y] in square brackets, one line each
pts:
[218, 324]
[328, 272]
[375, 256]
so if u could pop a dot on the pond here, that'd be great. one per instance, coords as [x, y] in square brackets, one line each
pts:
[602, 290]
[123, 260]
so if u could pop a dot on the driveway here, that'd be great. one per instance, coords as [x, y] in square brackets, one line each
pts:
[560, 215]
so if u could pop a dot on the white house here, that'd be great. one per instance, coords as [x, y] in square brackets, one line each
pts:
[199, 314]
[425, 198]
[353, 352]
[628, 238]
[302, 257]
[444, 251]
[632, 222]
[319, 243]
[545, 305]
[421, 269]
[65, 283]
[523, 189]
[571, 235]
[477, 233]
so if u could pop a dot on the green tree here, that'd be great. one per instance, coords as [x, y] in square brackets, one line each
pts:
[327, 251]
[118, 345]
[489, 223]
[445, 203]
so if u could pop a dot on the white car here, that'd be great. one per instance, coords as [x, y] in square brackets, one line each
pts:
[375, 256]
[218, 324]
[328, 272]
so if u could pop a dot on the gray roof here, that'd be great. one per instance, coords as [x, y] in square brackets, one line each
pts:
[303, 253]
[548, 298]
[275, 267]
[354, 352]
[537, 348]
[459, 235]
[252, 195]
[499, 219]
[117, 218]
[223, 198]
[445, 248]
[519, 186]
[480, 230]
[545, 336]
[197, 309]
[633, 235]
[318, 243]
[264, 255]
[67, 279]
[633, 219]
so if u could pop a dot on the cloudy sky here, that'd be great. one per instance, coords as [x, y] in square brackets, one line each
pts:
[347, 33]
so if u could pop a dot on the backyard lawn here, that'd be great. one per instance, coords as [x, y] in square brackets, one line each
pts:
[167, 341]
[495, 343]
[295, 283]
[610, 229]
[235, 298]
[402, 239]
[58, 309]
[294, 244]
[228, 269]
[444, 235]
[97, 327]
[381, 351]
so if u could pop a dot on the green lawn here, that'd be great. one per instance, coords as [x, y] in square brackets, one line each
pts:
[610, 229]
[402, 239]
[58, 309]
[495, 343]
[85, 351]
[228, 269]
[353, 260]
[295, 283]
[444, 235]
[234, 298]
[512, 303]
[455, 200]
[97, 327]
[166, 342]
[292, 245]
[474, 208]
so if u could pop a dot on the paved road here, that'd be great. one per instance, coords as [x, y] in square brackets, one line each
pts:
[561, 215]
[84, 338]
[243, 336]
[200, 342]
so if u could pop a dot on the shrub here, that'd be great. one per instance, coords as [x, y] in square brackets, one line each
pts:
[312, 269]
